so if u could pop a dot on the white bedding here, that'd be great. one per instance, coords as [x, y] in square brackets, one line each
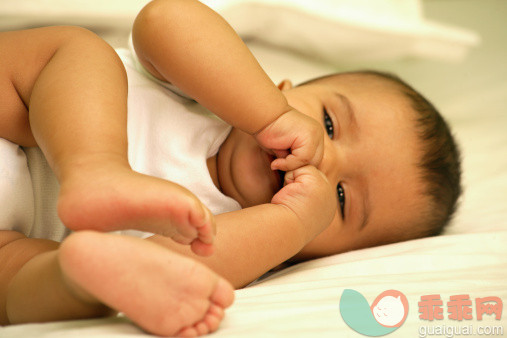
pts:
[470, 258]
[304, 300]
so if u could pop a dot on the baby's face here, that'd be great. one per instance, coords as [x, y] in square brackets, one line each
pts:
[370, 158]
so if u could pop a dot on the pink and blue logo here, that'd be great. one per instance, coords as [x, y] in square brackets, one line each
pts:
[386, 314]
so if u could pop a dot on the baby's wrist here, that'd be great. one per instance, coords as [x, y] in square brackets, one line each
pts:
[299, 225]
[270, 120]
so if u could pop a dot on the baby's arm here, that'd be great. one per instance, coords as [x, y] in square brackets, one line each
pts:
[201, 54]
[189, 45]
[251, 241]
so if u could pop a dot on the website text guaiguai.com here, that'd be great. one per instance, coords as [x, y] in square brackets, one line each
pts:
[450, 331]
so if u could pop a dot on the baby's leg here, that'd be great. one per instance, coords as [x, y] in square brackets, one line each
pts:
[73, 88]
[91, 273]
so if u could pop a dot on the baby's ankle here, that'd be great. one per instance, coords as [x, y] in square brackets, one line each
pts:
[92, 165]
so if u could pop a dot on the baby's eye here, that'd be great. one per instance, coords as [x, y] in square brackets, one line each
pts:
[341, 197]
[328, 124]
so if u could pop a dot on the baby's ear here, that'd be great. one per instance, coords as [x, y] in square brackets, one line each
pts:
[285, 84]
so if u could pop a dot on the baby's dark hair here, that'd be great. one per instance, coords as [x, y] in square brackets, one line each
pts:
[440, 162]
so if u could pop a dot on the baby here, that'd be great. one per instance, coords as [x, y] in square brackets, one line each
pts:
[338, 163]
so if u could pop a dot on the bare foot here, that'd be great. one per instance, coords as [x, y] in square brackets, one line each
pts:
[164, 293]
[117, 198]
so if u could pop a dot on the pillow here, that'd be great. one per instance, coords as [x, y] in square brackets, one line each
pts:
[338, 31]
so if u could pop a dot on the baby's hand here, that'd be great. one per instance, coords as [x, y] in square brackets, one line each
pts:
[309, 195]
[295, 139]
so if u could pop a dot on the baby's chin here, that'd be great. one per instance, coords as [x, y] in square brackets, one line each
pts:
[265, 197]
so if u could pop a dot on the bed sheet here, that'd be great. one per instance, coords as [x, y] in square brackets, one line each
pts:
[469, 259]
[303, 300]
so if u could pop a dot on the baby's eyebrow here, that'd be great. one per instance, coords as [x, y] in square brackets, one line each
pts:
[348, 109]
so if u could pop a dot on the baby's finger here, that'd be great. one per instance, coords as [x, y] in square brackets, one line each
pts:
[288, 178]
[281, 153]
[202, 249]
[277, 164]
[306, 171]
[318, 155]
[311, 154]
[310, 149]
[298, 174]
[291, 162]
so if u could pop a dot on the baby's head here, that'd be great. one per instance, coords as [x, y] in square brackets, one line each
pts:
[387, 151]
[390, 154]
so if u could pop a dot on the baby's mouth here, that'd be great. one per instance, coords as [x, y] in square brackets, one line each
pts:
[281, 176]
[278, 174]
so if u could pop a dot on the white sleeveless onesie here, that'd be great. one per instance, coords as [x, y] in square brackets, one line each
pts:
[170, 136]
